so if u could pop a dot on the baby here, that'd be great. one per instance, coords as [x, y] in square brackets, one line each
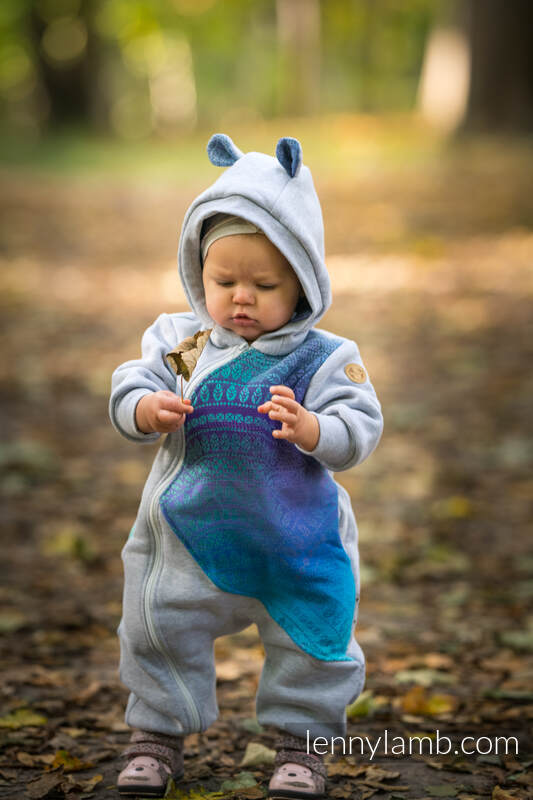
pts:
[240, 519]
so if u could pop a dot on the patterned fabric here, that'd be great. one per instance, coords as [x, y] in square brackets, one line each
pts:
[259, 516]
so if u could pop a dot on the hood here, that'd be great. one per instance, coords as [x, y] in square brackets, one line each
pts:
[278, 195]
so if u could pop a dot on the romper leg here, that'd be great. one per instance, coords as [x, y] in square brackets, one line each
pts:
[172, 613]
[300, 694]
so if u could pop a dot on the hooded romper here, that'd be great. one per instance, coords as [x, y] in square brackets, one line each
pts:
[234, 526]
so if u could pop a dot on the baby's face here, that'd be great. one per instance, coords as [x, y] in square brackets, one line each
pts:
[250, 287]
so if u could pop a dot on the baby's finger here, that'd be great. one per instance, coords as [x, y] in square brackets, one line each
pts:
[283, 415]
[283, 433]
[264, 408]
[287, 402]
[286, 391]
[166, 417]
[175, 404]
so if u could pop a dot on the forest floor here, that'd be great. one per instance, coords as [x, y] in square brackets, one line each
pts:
[432, 274]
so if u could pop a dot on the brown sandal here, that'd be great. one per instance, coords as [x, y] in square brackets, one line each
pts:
[152, 759]
[297, 773]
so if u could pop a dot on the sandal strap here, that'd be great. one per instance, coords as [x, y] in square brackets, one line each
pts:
[293, 749]
[168, 749]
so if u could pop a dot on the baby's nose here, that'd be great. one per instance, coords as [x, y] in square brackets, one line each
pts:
[242, 294]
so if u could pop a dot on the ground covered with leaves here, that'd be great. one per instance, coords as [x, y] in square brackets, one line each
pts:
[432, 273]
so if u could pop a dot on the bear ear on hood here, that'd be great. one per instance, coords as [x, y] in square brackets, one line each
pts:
[289, 155]
[221, 150]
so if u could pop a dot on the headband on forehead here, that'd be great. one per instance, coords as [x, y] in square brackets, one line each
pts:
[228, 227]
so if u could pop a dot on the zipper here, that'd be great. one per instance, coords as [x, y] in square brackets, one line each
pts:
[157, 560]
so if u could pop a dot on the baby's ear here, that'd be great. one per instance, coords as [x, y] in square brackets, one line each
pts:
[221, 150]
[289, 155]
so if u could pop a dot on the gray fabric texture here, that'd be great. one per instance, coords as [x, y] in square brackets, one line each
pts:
[296, 692]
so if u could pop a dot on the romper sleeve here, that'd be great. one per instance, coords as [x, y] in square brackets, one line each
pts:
[343, 399]
[150, 373]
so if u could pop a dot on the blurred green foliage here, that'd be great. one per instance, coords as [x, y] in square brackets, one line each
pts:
[137, 67]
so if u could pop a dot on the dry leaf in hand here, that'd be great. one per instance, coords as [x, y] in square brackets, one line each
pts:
[185, 355]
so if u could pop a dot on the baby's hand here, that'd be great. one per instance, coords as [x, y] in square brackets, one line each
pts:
[298, 425]
[161, 412]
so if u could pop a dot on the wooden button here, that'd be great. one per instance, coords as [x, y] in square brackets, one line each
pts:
[355, 372]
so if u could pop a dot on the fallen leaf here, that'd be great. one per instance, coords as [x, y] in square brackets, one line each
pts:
[418, 701]
[174, 793]
[438, 661]
[501, 794]
[509, 694]
[69, 763]
[228, 671]
[70, 541]
[343, 791]
[242, 781]
[9, 774]
[378, 773]
[46, 677]
[12, 620]
[22, 718]
[257, 754]
[251, 724]
[439, 704]
[26, 759]
[343, 767]
[454, 507]
[251, 793]
[424, 677]
[364, 705]
[504, 661]
[75, 732]
[522, 778]
[88, 693]
[72, 784]
[518, 640]
[367, 791]
[43, 785]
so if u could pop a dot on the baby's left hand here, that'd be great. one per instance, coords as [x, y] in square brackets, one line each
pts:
[298, 425]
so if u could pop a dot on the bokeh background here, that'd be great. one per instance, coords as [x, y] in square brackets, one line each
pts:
[416, 120]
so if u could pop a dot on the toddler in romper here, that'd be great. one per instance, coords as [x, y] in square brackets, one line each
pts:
[240, 520]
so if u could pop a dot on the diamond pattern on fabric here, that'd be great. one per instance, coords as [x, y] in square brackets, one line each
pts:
[259, 516]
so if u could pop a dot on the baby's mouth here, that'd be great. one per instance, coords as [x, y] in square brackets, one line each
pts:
[242, 318]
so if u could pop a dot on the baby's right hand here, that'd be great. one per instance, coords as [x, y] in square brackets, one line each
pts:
[161, 412]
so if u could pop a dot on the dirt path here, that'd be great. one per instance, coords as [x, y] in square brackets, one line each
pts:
[436, 289]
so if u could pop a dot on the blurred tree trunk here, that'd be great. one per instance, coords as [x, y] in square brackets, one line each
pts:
[72, 85]
[501, 83]
[298, 30]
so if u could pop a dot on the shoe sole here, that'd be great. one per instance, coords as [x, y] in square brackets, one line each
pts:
[147, 791]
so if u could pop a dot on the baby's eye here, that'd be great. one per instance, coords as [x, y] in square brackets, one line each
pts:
[267, 285]
[225, 283]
